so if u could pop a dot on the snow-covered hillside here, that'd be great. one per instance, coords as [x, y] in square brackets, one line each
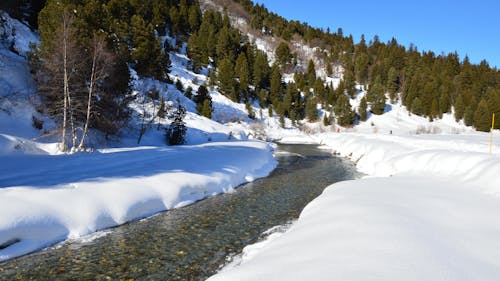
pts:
[47, 196]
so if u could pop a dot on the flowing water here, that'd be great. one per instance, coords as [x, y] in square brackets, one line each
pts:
[192, 242]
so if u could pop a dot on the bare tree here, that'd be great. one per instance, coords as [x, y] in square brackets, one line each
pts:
[100, 62]
[59, 63]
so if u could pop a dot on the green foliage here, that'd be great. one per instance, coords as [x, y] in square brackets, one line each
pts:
[203, 102]
[310, 73]
[376, 97]
[283, 55]
[482, 117]
[469, 116]
[311, 109]
[416, 106]
[227, 83]
[363, 108]
[176, 132]
[146, 52]
[276, 87]
[251, 113]
[242, 72]
[343, 111]
[459, 108]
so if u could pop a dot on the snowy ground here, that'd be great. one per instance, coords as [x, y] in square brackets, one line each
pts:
[46, 198]
[427, 209]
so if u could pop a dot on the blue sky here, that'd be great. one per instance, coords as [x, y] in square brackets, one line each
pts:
[468, 27]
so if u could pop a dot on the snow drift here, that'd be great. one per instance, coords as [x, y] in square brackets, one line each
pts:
[45, 198]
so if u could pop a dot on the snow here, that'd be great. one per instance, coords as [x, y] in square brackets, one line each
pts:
[395, 228]
[46, 198]
[426, 210]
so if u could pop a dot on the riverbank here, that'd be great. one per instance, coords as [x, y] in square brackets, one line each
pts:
[49, 198]
[427, 211]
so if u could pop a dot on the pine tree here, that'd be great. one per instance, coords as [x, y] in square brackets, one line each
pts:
[243, 73]
[311, 109]
[276, 87]
[434, 112]
[263, 98]
[482, 117]
[343, 111]
[176, 132]
[203, 102]
[206, 109]
[311, 73]
[363, 108]
[146, 51]
[251, 113]
[376, 97]
[283, 55]
[261, 70]
[226, 80]
[392, 83]
[469, 116]
[459, 108]
[416, 106]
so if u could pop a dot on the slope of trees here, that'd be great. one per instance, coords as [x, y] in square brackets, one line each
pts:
[428, 84]
[434, 83]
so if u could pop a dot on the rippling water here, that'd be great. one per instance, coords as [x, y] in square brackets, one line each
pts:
[192, 242]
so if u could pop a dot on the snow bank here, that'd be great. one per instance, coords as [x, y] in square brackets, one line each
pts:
[399, 228]
[465, 157]
[45, 199]
[428, 211]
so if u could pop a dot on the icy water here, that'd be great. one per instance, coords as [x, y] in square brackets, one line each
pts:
[192, 242]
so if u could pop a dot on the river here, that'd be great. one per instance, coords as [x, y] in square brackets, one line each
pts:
[193, 242]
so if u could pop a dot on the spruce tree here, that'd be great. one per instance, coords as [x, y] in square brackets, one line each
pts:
[206, 109]
[203, 102]
[311, 73]
[283, 55]
[242, 72]
[343, 111]
[176, 132]
[276, 87]
[226, 79]
[311, 109]
[392, 83]
[363, 108]
[469, 116]
[376, 97]
[416, 106]
[459, 108]
[482, 117]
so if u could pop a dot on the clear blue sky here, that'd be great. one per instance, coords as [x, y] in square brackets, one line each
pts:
[468, 27]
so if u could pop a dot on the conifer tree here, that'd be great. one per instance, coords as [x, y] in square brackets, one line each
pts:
[459, 108]
[363, 108]
[261, 70]
[283, 55]
[203, 102]
[376, 97]
[311, 73]
[343, 111]
[226, 80]
[482, 117]
[206, 109]
[176, 132]
[276, 88]
[242, 72]
[311, 109]
[392, 83]
[469, 116]
[416, 106]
